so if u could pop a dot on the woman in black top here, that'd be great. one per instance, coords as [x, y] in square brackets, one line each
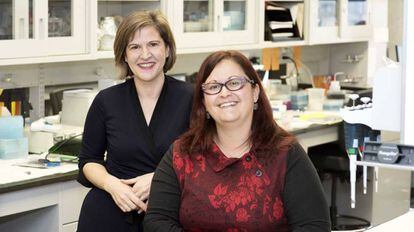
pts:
[134, 123]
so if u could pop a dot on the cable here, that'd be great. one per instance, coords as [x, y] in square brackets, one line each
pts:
[305, 68]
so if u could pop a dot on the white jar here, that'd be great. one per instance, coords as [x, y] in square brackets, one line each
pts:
[107, 29]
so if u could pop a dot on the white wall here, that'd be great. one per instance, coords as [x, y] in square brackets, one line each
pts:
[395, 25]
[407, 133]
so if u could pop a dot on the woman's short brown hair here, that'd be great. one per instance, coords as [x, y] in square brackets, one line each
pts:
[126, 31]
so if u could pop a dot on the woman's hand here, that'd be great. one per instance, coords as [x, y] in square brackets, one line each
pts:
[123, 195]
[141, 186]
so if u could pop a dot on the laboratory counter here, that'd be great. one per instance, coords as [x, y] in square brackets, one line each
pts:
[49, 199]
[55, 177]
[39, 199]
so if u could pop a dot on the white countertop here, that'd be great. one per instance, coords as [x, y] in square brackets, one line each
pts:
[403, 223]
[295, 120]
[10, 173]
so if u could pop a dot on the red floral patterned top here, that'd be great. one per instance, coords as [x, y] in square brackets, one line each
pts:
[231, 193]
[217, 193]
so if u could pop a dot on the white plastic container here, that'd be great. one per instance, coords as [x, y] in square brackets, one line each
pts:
[333, 104]
[14, 148]
[75, 106]
[316, 98]
[11, 127]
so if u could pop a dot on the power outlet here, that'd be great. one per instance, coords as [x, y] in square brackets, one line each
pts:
[8, 78]
[99, 71]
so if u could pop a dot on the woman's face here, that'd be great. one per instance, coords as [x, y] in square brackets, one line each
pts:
[146, 54]
[230, 107]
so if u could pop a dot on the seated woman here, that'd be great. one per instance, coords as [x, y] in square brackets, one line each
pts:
[235, 169]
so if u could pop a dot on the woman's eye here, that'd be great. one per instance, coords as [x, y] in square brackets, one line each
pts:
[234, 83]
[153, 44]
[213, 87]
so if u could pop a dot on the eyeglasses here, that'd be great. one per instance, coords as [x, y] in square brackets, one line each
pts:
[233, 84]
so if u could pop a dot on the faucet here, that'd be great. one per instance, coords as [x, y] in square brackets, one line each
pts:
[337, 74]
[347, 78]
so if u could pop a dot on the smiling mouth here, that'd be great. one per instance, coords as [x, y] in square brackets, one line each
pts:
[146, 65]
[227, 104]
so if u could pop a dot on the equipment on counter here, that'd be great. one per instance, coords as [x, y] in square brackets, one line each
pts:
[47, 132]
[383, 113]
[41, 140]
[75, 106]
[389, 153]
[66, 150]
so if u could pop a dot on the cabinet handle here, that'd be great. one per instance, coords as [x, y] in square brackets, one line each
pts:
[21, 28]
[41, 28]
[218, 23]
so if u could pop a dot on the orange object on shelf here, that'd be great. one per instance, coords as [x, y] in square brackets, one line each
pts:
[297, 55]
[275, 59]
[267, 58]
[270, 58]
[321, 81]
[15, 108]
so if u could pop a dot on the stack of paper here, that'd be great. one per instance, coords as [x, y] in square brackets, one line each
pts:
[285, 21]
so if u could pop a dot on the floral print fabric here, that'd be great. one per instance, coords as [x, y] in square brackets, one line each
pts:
[231, 194]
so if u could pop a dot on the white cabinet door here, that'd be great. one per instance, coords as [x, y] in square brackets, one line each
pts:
[335, 21]
[71, 197]
[66, 32]
[39, 28]
[355, 19]
[208, 23]
[20, 21]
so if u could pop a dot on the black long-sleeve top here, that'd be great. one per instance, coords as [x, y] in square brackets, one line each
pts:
[210, 192]
[116, 125]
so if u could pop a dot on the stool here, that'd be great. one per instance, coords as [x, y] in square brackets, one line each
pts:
[332, 160]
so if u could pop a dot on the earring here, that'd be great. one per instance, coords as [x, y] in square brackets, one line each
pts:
[255, 106]
[208, 116]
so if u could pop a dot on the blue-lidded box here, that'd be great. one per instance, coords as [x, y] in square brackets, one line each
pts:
[11, 127]
[14, 148]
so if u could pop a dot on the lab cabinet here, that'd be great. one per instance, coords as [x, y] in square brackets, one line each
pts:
[71, 197]
[209, 23]
[38, 28]
[52, 207]
[336, 21]
[50, 31]
[110, 14]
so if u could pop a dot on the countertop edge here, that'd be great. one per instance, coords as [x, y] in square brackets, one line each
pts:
[40, 181]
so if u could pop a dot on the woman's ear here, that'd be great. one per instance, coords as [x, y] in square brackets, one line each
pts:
[256, 93]
[167, 50]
